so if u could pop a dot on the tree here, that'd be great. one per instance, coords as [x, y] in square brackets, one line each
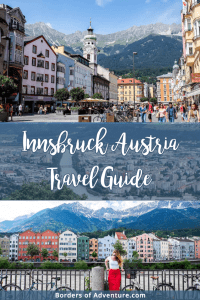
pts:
[65, 255]
[144, 99]
[134, 262]
[32, 250]
[97, 96]
[44, 253]
[55, 253]
[94, 254]
[77, 94]
[118, 246]
[153, 100]
[62, 95]
[86, 96]
[1, 252]
[7, 86]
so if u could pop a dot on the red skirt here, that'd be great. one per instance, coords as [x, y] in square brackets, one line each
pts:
[114, 280]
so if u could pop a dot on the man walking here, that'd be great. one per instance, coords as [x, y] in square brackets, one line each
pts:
[171, 113]
[143, 112]
[11, 112]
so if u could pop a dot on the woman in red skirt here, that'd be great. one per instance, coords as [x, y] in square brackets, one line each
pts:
[114, 275]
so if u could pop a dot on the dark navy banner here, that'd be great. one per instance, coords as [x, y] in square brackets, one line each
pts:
[71, 161]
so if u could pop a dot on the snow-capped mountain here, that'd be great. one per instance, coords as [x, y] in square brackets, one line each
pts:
[77, 217]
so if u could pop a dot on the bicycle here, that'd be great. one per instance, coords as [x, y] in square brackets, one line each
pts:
[100, 118]
[8, 287]
[195, 281]
[157, 286]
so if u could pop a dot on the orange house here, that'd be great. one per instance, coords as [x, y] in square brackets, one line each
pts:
[197, 248]
[46, 240]
[93, 246]
[164, 88]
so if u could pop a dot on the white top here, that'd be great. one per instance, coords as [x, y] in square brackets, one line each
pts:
[113, 264]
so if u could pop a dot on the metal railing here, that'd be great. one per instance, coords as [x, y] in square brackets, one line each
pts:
[80, 280]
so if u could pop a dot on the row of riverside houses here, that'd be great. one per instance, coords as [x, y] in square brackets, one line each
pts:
[40, 69]
[72, 247]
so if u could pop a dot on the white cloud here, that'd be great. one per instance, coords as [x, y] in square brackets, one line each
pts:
[49, 24]
[102, 3]
[147, 1]
[171, 15]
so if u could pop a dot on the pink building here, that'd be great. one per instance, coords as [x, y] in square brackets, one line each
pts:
[197, 248]
[144, 246]
[39, 74]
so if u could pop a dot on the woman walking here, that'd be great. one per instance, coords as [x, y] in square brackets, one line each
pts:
[114, 276]
[162, 114]
[143, 112]
[193, 115]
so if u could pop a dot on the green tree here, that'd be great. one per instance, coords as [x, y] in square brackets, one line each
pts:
[32, 250]
[134, 262]
[7, 86]
[118, 246]
[94, 254]
[153, 100]
[44, 253]
[77, 94]
[55, 253]
[144, 99]
[97, 96]
[62, 95]
[1, 252]
[65, 255]
[86, 96]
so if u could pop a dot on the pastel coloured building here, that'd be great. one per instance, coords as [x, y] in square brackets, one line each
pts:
[144, 244]
[39, 73]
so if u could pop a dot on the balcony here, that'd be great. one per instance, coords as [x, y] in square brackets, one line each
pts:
[197, 42]
[195, 2]
[40, 79]
[190, 60]
[189, 35]
[16, 27]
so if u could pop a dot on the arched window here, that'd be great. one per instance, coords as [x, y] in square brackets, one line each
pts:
[88, 56]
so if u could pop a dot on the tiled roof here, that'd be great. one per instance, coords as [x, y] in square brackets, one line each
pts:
[128, 80]
[120, 236]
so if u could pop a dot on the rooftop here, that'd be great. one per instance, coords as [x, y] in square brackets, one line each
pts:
[121, 236]
[128, 81]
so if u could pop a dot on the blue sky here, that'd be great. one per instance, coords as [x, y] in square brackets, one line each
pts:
[108, 16]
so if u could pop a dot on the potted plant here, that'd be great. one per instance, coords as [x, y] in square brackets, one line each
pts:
[59, 110]
[74, 110]
[3, 115]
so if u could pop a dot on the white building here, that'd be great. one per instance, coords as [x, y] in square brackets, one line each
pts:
[156, 246]
[68, 244]
[13, 252]
[105, 246]
[164, 249]
[60, 80]
[182, 248]
[131, 246]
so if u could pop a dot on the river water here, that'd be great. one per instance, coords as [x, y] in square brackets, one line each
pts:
[67, 168]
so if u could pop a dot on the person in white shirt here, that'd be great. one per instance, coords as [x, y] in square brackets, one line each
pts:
[114, 277]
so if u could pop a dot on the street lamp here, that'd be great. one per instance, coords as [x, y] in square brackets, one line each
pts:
[8, 58]
[134, 53]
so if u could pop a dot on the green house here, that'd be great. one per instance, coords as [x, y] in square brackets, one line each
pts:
[83, 248]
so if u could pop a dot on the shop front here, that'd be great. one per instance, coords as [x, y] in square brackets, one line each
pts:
[31, 104]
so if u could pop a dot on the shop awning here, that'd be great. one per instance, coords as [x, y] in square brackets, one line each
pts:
[193, 93]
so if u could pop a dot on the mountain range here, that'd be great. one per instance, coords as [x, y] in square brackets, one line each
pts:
[158, 45]
[163, 215]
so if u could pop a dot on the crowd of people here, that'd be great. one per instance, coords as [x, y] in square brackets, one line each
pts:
[163, 112]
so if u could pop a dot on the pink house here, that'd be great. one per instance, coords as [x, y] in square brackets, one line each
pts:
[39, 74]
[144, 246]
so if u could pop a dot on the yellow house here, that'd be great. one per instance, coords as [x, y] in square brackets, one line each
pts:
[126, 90]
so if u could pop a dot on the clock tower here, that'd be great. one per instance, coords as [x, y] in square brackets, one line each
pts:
[90, 50]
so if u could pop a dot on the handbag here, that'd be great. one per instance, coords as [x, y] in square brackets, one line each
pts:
[158, 115]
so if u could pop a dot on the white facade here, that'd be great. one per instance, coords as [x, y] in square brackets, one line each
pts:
[68, 244]
[131, 246]
[13, 252]
[182, 248]
[164, 249]
[60, 75]
[82, 77]
[90, 50]
[105, 246]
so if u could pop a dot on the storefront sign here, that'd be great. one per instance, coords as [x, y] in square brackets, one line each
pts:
[195, 77]
[37, 98]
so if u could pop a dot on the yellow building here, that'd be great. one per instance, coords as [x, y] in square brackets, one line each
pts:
[93, 247]
[126, 90]
[191, 48]
[164, 88]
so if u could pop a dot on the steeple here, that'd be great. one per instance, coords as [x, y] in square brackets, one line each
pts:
[90, 29]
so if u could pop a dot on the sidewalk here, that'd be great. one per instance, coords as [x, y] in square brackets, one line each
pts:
[53, 117]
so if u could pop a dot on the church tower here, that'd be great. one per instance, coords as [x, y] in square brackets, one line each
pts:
[90, 50]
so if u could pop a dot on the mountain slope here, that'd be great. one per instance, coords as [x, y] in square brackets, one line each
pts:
[146, 216]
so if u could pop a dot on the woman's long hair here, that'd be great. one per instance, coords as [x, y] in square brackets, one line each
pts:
[118, 257]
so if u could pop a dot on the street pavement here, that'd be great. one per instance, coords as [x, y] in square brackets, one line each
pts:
[53, 117]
